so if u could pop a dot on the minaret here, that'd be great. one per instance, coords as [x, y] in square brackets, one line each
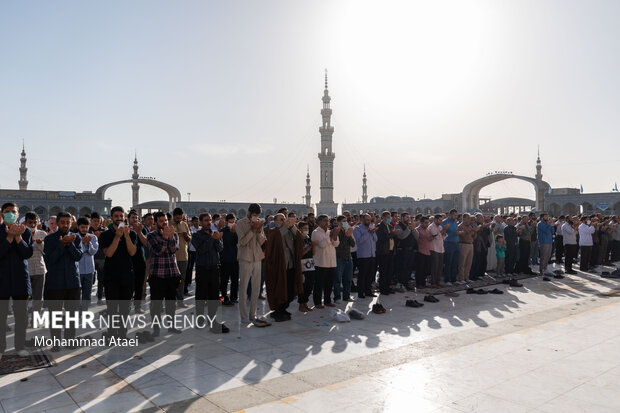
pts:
[326, 156]
[538, 167]
[308, 196]
[135, 188]
[364, 187]
[23, 180]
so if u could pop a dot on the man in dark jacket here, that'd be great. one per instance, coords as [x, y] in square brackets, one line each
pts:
[230, 265]
[15, 249]
[385, 250]
[510, 236]
[62, 252]
[208, 245]
[344, 269]
[405, 252]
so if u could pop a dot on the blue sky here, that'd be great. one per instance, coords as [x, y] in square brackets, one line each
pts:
[222, 99]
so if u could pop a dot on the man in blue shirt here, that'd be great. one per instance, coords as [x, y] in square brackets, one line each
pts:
[451, 247]
[365, 239]
[62, 252]
[90, 246]
[545, 241]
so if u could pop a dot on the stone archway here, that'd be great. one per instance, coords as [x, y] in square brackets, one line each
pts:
[174, 195]
[471, 192]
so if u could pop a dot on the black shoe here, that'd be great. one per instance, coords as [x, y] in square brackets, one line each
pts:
[174, 330]
[413, 303]
[220, 328]
[496, 291]
[430, 299]
[546, 279]
[481, 291]
[227, 302]
[280, 317]
[558, 276]
[471, 291]
[361, 296]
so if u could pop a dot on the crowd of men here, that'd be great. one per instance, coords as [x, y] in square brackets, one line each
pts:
[55, 265]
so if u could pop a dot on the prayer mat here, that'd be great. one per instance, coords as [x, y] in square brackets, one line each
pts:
[12, 363]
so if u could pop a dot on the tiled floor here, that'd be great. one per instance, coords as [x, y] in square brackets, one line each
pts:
[547, 347]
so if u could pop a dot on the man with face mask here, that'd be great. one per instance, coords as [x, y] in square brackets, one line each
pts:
[15, 249]
[283, 278]
[250, 255]
[90, 246]
[52, 224]
[62, 252]
[119, 244]
[97, 228]
[36, 263]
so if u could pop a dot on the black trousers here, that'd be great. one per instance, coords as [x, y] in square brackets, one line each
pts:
[139, 272]
[323, 285]
[308, 287]
[118, 293]
[594, 256]
[571, 254]
[423, 269]
[20, 311]
[479, 265]
[559, 248]
[229, 271]
[66, 299]
[511, 257]
[207, 289]
[366, 275]
[403, 263]
[385, 272]
[191, 260]
[524, 255]
[163, 289]
[586, 255]
[100, 278]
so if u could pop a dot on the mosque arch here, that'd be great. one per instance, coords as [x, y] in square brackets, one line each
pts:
[471, 192]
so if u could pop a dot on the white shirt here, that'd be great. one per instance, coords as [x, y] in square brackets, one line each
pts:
[585, 235]
[437, 242]
[324, 253]
[568, 234]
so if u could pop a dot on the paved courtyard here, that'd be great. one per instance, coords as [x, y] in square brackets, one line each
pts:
[545, 347]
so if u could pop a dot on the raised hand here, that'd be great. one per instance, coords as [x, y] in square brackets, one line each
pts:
[168, 232]
[217, 235]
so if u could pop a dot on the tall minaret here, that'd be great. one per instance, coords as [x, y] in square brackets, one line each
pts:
[538, 167]
[326, 156]
[364, 187]
[135, 188]
[23, 180]
[308, 196]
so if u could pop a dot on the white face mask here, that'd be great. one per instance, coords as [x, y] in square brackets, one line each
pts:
[305, 233]
[345, 225]
[589, 222]
[371, 226]
[254, 219]
[230, 225]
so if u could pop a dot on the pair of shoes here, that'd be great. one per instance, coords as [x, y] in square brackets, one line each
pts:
[259, 322]
[378, 309]
[496, 291]
[515, 283]
[219, 329]
[174, 330]
[413, 303]
[431, 299]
